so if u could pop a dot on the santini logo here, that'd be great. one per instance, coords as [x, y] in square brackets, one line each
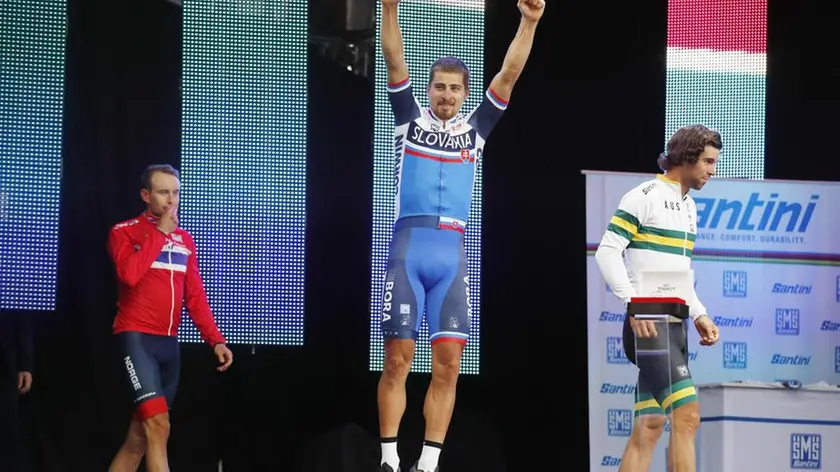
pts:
[610, 461]
[737, 322]
[607, 317]
[780, 359]
[617, 389]
[757, 213]
[829, 326]
[794, 289]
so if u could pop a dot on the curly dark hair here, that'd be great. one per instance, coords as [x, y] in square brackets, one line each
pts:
[686, 145]
[450, 64]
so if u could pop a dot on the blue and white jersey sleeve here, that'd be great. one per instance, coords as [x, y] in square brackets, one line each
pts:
[403, 103]
[485, 116]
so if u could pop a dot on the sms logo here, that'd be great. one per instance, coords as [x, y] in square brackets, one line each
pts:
[805, 451]
[735, 283]
[837, 359]
[619, 422]
[615, 351]
[787, 321]
[837, 289]
[734, 355]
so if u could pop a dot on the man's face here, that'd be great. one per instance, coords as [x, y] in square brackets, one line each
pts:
[447, 94]
[164, 194]
[704, 169]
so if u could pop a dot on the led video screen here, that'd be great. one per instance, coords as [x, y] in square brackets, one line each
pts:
[459, 32]
[716, 75]
[32, 50]
[243, 163]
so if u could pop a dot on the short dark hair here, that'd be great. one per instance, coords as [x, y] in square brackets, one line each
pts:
[450, 64]
[686, 145]
[146, 176]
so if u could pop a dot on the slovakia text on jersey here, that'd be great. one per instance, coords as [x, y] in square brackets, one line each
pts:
[436, 160]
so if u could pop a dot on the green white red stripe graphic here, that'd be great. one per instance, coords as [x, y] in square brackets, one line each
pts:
[717, 63]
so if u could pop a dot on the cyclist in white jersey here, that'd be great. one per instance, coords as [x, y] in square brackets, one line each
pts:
[655, 226]
[436, 150]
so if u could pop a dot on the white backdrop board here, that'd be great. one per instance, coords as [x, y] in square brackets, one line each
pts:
[766, 266]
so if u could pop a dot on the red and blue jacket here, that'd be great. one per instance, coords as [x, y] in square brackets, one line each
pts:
[157, 275]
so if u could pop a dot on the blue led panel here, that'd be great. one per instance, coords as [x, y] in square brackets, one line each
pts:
[32, 45]
[431, 29]
[243, 163]
[717, 76]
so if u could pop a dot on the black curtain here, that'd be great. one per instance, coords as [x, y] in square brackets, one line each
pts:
[803, 99]
[121, 113]
[591, 97]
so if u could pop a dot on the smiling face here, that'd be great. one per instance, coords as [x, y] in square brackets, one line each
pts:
[447, 94]
[449, 86]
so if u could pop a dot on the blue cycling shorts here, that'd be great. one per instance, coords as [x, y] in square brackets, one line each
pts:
[427, 269]
[152, 366]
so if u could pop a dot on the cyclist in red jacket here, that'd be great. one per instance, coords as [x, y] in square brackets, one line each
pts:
[157, 268]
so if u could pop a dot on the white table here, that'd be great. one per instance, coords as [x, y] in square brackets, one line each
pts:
[767, 427]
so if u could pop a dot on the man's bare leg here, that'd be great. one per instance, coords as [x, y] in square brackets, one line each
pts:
[132, 450]
[390, 395]
[157, 435]
[440, 400]
[638, 454]
[685, 421]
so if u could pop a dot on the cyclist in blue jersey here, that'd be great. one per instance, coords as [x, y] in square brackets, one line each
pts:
[436, 151]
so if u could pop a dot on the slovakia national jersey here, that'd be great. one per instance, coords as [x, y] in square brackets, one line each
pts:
[436, 160]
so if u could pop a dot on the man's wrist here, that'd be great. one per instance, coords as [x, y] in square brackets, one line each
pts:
[697, 317]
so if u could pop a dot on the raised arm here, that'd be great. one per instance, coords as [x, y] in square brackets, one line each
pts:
[392, 43]
[519, 49]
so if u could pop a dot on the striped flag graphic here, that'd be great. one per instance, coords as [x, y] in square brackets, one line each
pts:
[716, 66]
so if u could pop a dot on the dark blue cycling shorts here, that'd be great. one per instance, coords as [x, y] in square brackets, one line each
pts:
[427, 269]
[152, 366]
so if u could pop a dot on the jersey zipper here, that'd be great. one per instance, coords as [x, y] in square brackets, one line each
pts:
[440, 188]
[172, 294]
[686, 227]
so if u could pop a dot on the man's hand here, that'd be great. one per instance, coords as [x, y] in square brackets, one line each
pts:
[390, 2]
[643, 328]
[168, 221]
[24, 382]
[532, 10]
[708, 331]
[224, 355]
